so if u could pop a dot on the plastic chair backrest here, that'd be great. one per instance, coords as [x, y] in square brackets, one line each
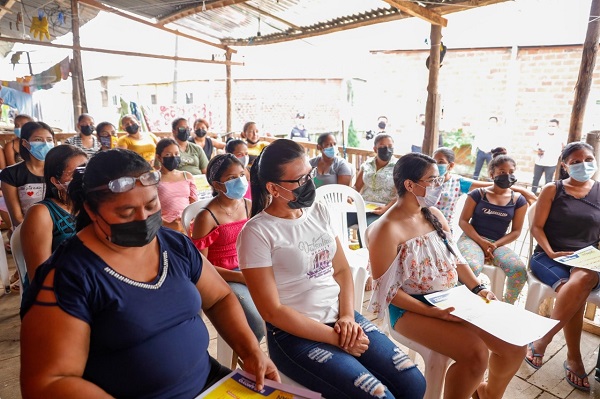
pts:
[530, 215]
[17, 252]
[335, 196]
[190, 212]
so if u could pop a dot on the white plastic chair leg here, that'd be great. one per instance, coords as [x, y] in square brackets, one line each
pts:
[497, 279]
[4, 274]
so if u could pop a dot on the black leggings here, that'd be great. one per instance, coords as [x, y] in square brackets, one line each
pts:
[217, 371]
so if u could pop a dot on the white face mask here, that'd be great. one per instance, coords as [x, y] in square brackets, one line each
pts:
[244, 160]
[431, 198]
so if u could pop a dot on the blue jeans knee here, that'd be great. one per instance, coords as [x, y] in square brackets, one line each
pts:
[254, 319]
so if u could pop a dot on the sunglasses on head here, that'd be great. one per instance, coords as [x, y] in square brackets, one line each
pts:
[127, 183]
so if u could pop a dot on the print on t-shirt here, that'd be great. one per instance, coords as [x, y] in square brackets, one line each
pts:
[319, 252]
[29, 194]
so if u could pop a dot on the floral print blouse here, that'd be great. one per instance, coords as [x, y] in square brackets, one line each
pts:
[423, 266]
[378, 184]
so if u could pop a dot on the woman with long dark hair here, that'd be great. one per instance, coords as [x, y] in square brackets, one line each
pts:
[301, 283]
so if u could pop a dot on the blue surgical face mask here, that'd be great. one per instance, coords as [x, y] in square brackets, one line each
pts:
[442, 168]
[39, 149]
[329, 152]
[236, 188]
[17, 131]
[582, 171]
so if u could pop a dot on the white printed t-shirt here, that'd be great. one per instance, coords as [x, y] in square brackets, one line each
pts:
[300, 251]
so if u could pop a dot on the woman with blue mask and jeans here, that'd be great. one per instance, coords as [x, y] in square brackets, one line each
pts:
[301, 283]
[566, 219]
[485, 219]
[412, 253]
[217, 226]
[331, 169]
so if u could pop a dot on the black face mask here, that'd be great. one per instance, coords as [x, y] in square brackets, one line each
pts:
[382, 125]
[171, 163]
[134, 234]
[183, 133]
[200, 132]
[305, 195]
[505, 181]
[385, 153]
[87, 130]
[132, 129]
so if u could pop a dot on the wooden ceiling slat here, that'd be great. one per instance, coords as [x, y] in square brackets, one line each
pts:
[207, 6]
[274, 17]
[420, 12]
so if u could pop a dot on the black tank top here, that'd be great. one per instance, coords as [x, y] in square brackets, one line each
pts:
[573, 223]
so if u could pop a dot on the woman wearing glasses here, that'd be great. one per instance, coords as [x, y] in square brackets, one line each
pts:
[300, 281]
[485, 219]
[412, 254]
[119, 302]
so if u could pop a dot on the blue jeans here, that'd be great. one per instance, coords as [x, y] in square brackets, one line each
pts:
[252, 316]
[538, 171]
[550, 272]
[482, 157]
[416, 148]
[336, 374]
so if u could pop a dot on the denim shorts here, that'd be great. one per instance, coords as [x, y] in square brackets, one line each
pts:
[396, 312]
[551, 272]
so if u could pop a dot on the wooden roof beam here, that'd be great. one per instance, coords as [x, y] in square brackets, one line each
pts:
[6, 9]
[420, 12]
[276, 18]
[199, 8]
[100, 6]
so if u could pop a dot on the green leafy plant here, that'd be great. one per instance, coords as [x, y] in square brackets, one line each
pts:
[353, 140]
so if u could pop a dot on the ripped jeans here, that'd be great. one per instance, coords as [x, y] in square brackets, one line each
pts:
[336, 374]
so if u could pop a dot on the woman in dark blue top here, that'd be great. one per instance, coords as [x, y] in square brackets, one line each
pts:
[567, 219]
[485, 219]
[115, 310]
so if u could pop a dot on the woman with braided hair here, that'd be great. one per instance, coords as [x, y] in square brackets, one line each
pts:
[412, 253]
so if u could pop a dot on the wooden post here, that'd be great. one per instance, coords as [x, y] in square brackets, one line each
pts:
[79, 99]
[228, 90]
[432, 109]
[593, 139]
[586, 71]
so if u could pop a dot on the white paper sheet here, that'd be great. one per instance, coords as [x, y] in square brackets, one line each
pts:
[586, 258]
[512, 324]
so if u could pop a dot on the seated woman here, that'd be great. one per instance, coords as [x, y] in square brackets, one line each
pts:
[136, 140]
[119, 301]
[217, 226]
[255, 146]
[375, 179]
[50, 222]
[12, 152]
[176, 189]
[239, 149]
[566, 219]
[485, 219]
[301, 283]
[208, 144]
[107, 136]
[455, 185]
[193, 158]
[412, 253]
[331, 169]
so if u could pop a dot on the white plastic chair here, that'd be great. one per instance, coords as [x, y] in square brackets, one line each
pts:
[497, 279]
[17, 252]
[436, 364]
[537, 291]
[190, 212]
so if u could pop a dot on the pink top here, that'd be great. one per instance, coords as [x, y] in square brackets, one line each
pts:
[221, 244]
[174, 196]
[248, 194]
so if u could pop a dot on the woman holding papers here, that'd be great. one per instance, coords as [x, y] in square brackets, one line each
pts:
[412, 253]
[485, 220]
[301, 283]
[567, 218]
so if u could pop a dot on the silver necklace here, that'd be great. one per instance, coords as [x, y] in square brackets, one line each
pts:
[225, 210]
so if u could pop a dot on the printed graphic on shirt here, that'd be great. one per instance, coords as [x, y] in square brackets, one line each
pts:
[321, 254]
[29, 194]
[187, 160]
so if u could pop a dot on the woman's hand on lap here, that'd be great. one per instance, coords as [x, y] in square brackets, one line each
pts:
[444, 314]
[348, 330]
[261, 366]
[555, 255]
[361, 345]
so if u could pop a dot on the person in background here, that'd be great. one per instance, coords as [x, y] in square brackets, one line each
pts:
[217, 226]
[176, 189]
[207, 143]
[412, 253]
[255, 146]
[137, 141]
[548, 146]
[107, 136]
[485, 219]
[85, 139]
[375, 180]
[419, 135]
[567, 219]
[193, 158]
[11, 150]
[331, 169]
[455, 185]
[484, 142]
[300, 281]
[299, 130]
[120, 301]
[239, 149]
[50, 222]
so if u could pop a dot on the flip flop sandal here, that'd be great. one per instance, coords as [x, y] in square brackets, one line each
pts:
[580, 376]
[534, 355]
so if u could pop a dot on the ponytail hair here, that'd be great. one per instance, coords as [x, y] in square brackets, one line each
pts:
[268, 167]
